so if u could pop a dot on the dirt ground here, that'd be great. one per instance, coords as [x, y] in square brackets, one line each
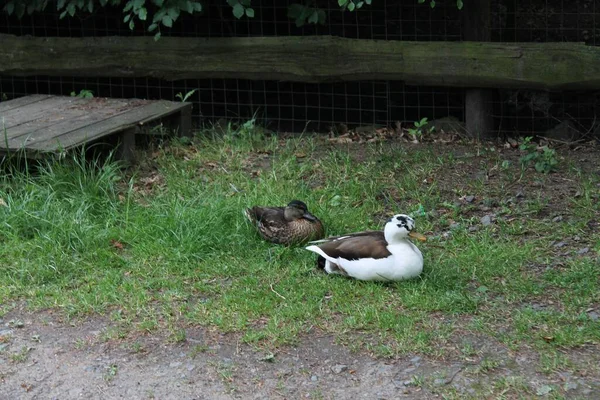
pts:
[44, 357]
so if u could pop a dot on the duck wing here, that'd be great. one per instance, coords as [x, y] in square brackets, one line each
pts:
[355, 246]
[266, 215]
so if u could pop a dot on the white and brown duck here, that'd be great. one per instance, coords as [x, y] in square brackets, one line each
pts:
[292, 224]
[386, 255]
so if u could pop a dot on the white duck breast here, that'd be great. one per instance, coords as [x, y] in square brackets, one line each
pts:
[373, 255]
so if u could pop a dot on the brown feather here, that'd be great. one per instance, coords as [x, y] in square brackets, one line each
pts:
[367, 244]
[274, 227]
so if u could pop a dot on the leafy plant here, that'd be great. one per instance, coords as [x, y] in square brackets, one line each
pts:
[83, 93]
[241, 8]
[459, 3]
[420, 128]
[301, 14]
[249, 130]
[352, 5]
[543, 158]
[164, 13]
[183, 97]
[110, 372]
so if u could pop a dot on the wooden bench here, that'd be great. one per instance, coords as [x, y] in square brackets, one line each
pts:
[43, 124]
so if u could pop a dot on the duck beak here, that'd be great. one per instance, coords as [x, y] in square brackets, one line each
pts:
[309, 216]
[417, 235]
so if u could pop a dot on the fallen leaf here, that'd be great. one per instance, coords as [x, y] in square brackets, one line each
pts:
[268, 358]
[150, 180]
[2, 202]
[340, 140]
[300, 155]
[543, 390]
[26, 387]
[116, 244]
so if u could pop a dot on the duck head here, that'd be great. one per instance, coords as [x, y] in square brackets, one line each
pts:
[296, 209]
[400, 227]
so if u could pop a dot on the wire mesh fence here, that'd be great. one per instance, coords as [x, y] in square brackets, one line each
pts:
[297, 106]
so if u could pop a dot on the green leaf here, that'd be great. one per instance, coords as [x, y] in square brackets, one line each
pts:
[351, 6]
[322, 17]
[245, 3]
[131, 24]
[368, 2]
[238, 11]
[62, 14]
[250, 12]
[90, 6]
[167, 21]
[20, 10]
[152, 27]
[314, 17]
[432, 3]
[232, 3]
[71, 9]
[159, 15]
[60, 4]
[173, 12]
[360, 4]
[294, 10]
[301, 20]
[459, 4]
[342, 3]
[543, 390]
[103, 2]
[335, 200]
[9, 8]
[197, 7]
[142, 13]
[156, 37]
[138, 4]
[127, 18]
[128, 6]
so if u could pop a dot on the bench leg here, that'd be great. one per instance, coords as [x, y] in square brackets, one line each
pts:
[126, 149]
[184, 122]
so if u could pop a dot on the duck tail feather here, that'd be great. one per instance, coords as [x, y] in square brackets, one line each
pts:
[249, 214]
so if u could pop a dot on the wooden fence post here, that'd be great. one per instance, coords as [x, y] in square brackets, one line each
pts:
[478, 102]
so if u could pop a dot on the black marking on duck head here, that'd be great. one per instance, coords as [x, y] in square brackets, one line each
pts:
[403, 221]
[298, 204]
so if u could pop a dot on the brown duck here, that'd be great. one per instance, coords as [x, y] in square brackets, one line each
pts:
[288, 225]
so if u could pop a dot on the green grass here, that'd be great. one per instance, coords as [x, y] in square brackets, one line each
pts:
[188, 256]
